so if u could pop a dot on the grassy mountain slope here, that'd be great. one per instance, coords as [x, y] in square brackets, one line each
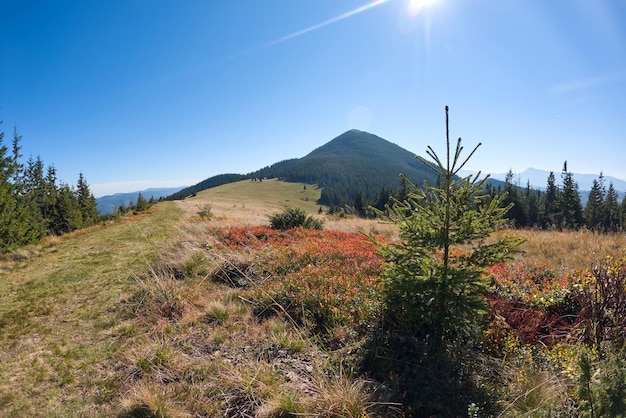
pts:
[206, 184]
[71, 330]
[249, 202]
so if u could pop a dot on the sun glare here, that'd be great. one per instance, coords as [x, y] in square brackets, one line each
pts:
[414, 7]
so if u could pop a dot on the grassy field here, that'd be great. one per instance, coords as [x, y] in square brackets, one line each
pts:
[62, 314]
[170, 314]
[249, 202]
[230, 207]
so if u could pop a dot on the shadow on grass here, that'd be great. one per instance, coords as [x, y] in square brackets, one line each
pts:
[424, 381]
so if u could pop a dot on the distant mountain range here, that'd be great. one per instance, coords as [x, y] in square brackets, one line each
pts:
[110, 203]
[354, 162]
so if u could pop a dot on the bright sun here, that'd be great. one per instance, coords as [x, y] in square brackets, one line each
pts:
[416, 6]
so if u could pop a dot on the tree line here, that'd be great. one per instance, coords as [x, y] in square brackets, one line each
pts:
[34, 203]
[559, 207]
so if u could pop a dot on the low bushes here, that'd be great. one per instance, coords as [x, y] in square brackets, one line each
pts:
[293, 218]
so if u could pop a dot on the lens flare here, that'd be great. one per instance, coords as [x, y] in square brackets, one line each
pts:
[414, 7]
[329, 21]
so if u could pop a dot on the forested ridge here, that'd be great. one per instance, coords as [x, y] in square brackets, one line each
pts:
[206, 184]
[354, 162]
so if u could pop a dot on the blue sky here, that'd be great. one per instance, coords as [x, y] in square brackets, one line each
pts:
[151, 93]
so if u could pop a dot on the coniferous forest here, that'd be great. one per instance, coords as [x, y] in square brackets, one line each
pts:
[559, 207]
[34, 203]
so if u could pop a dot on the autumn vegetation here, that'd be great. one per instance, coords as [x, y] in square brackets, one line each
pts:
[205, 307]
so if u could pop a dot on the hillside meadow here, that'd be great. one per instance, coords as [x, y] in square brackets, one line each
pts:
[172, 313]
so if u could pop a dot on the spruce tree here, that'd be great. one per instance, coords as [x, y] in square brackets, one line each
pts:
[611, 210]
[142, 203]
[19, 223]
[50, 203]
[433, 299]
[7, 199]
[435, 223]
[86, 202]
[517, 214]
[623, 214]
[70, 217]
[594, 210]
[532, 197]
[551, 212]
[18, 168]
[569, 201]
[359, 206]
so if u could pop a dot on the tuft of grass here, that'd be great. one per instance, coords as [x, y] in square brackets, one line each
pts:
[152, 402]
[216, 313]
[205, 211]
[283, 405]
[532, 391]
[339, 396]
[283, 335]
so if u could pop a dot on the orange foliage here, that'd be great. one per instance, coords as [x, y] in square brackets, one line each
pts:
[329, 277]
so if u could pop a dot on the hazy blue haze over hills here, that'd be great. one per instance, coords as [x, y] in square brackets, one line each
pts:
[110, 203]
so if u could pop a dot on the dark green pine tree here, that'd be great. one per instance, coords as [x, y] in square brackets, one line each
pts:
[611, 210]
[86, 202]
[70, 217]
[569, 201]
[433, 298]
[551, 212]
[8, 204]
[33, 194]
[50, 200]
[623, 213]
[359, 206]
[142, 203]
[18, 167]
[532, 198]
[594, 210]
[382, 199]
[32, 225]
[517, 213]
[19, 223]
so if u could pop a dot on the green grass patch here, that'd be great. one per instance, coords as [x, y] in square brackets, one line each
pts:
[62, 313]
[270, 193]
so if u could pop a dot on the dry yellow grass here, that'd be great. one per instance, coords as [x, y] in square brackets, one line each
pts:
[124, 317]
[250, 202]
[566, 249]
